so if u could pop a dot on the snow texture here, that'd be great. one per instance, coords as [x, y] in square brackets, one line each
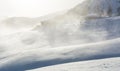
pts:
[85, 38]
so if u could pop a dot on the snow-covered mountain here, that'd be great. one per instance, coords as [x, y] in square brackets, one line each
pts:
[103, 8]
[74, 27]
[89, 31]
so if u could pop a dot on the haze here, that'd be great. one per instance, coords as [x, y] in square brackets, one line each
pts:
[33, 8]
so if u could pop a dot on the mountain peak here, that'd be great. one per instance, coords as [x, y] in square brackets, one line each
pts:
[104, 8]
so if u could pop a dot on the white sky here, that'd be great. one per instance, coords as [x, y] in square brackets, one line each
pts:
[33, 8]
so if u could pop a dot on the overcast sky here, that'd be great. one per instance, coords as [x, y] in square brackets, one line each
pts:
[33, 8]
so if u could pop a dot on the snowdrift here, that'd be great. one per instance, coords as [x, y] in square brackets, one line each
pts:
[111, 64]
[39, 57]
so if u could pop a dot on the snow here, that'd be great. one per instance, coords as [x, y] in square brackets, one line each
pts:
[104, 8]
[22, 59]
[110, 64]
[79, 42]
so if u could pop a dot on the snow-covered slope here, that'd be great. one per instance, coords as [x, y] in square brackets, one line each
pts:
[19, 59]
[103, 8]
[16, 24]
[69, 37]
[76, 28]
[111, 64]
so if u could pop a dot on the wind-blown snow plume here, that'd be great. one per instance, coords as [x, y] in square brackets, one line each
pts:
[86, 32]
